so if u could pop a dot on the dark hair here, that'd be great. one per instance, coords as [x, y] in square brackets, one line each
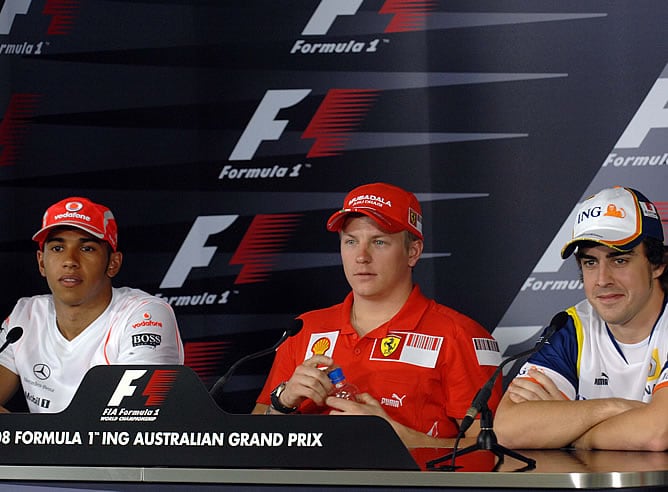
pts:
[655, 251]
[657, 255]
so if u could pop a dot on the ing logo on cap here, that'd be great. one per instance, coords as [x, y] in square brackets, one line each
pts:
[613, 211]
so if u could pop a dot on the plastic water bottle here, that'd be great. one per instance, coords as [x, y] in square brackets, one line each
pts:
[342, 388]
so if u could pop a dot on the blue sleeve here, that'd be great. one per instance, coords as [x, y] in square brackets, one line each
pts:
[560, 353]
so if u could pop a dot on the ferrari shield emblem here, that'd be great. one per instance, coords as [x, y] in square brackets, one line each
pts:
[389, 344]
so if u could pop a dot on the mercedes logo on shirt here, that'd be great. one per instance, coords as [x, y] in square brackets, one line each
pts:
[41, 371]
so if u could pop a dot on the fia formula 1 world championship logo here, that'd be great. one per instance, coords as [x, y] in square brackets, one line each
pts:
[144, 407]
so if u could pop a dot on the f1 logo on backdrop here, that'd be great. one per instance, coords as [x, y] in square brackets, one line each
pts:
[264, 240]
[62, 13]
[9, 11]
[339, 114]
[14, 126]
[653, 113]
[407, 15]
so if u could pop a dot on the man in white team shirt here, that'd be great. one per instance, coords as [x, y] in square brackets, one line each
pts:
[602, 381]
[85, 321]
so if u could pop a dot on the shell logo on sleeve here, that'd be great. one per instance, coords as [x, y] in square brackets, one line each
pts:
[321, 344]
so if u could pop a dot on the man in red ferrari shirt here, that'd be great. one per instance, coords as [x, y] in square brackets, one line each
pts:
[417, 363]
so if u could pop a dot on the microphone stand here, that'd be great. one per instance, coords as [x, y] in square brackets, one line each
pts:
[486, 441]
[216, 390]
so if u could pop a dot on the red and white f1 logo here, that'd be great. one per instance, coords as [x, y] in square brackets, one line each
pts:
[339, 114]
[406, 15]
[156, 389]
[62, 14]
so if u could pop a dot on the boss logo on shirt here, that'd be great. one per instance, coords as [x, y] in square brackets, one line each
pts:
[146, 339]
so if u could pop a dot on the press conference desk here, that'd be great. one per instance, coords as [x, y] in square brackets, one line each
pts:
[555, 470]
[157, 428]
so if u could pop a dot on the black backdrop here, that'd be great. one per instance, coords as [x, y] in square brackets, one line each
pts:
[214, 131]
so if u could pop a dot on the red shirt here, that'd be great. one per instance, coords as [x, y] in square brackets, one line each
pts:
[424, 366]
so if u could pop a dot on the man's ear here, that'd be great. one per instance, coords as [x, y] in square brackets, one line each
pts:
[114, 265]
[414, 252]
[40, 262]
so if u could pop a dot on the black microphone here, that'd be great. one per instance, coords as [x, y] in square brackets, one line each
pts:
[12, 335]
[216, 390]
[482, 396]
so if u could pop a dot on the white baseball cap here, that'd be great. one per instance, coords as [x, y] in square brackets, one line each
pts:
[619, 218]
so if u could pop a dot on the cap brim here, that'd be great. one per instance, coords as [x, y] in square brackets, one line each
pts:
[570, 246]
[40, 235]
[335, 222]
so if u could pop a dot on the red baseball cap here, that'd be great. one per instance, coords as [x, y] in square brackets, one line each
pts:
[81, 213]
[394, 209]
